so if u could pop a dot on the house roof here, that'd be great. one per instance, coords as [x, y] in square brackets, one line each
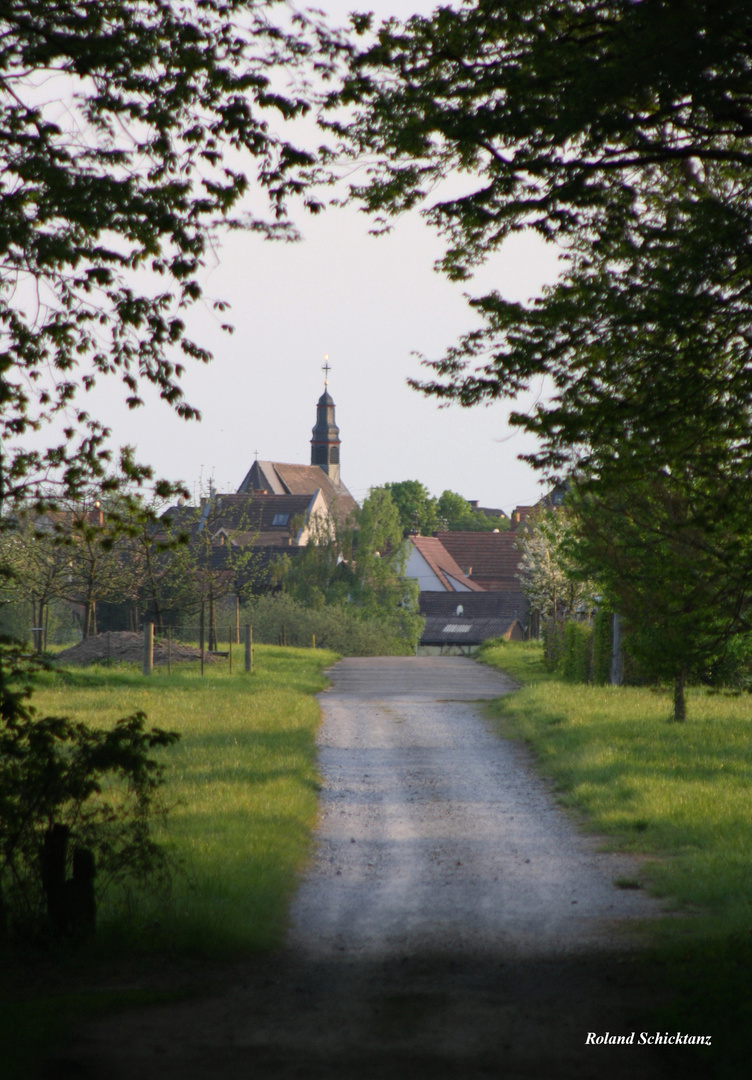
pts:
[551, 500]
[249, 519]
[442, 564]
[278, 478]
[506, 605]
[461, 631]
[521, 515]
[491, 560]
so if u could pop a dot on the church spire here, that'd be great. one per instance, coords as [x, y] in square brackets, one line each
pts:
[325, 442]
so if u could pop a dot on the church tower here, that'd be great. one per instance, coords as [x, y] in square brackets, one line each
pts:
[325, 442]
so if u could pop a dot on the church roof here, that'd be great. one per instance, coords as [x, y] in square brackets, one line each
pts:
[280, 478]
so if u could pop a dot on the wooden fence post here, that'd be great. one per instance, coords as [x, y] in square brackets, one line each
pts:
[148, 647]
[617, 656]
[248, 632]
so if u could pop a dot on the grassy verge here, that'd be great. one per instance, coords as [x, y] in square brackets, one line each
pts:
[241, 787]
[676, 793]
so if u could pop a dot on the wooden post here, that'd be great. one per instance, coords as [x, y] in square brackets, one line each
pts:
[248, 634]
[201, 636]
[54, 859]
[313, 641]
[617, 657]
[148, 647]
[237, 619]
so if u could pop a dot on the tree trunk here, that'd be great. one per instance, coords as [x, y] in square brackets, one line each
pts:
[36, 620]
[617, 655]
[212, 623]
[680, 701]
[88, 617]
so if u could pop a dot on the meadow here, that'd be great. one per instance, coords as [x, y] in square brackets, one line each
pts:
[240, 792]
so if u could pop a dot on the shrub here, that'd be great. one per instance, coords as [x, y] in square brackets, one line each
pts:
[577, 662]
[345, 630]
[603, 632]
[71, 796]
[553, 645]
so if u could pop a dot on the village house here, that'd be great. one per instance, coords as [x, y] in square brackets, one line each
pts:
[470, 588]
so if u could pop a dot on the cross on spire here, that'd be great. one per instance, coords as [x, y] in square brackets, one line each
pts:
[326, 369]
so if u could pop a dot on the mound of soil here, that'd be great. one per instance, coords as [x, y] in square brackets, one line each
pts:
[126, 647]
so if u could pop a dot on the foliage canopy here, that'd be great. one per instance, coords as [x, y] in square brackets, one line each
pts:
[123, 132]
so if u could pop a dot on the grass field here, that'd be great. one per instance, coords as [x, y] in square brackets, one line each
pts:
[678, 794]
[240, 787]
[242, 792]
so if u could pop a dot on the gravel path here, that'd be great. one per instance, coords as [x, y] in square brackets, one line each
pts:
[436, 835]
[453, 923]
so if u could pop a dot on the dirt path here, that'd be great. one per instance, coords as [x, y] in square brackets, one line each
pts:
[453, 923]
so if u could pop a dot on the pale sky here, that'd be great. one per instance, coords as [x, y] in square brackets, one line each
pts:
[368, 303]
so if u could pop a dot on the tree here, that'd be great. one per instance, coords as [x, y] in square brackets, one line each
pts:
[673, 555]
[557, 113]
[359, 567]
[457, 514]
[36, 567]
[379, 554]
[622, 131]
[548, 574]
[415, 505]
[117, 123]
[419, 511]
[92, 540]
[160, 561]
[214, 542]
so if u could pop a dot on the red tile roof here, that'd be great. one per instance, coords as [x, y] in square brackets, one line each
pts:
[491, 560]
[441, 562]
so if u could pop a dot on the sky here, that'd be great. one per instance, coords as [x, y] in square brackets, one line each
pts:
[369, 304]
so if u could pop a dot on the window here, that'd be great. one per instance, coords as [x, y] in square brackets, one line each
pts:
[280, 519]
